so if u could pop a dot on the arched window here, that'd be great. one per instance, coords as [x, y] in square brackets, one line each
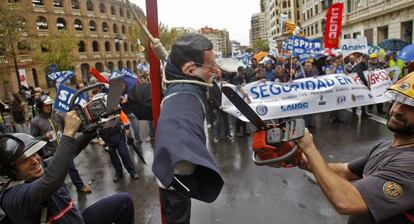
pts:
[41, 23]
[117, 46]
[113, 12]
[85, 72]
[99, 66]
[75, 4]
[89, 5]
[125, 46]
[92, 26]
[110, 66]
[23, 47]
[120, 65]
[78, 25]
[102, 7]
[58, 3]
[38, 2]
[128, 64]
[123, 29]
[95, 46]
[121, 12]
[105, 27]
[61, 24]
[82, 47]
[115, 28]
[107, 46]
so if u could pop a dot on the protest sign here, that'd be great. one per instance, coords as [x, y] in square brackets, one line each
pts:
[64, 95]
[350, 46]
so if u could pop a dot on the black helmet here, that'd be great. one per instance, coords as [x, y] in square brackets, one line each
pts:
[16, 147]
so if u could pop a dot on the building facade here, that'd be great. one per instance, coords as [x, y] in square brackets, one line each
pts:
[103, 29]
[313, 17]
[258, 28]
[375, 19]
[220, 39]
[378, 20]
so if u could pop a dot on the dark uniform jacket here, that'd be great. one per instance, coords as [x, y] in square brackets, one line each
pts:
[41, 125]
[386, 185]
[181, 137]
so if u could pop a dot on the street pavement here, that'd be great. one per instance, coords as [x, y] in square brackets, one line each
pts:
[251, 194]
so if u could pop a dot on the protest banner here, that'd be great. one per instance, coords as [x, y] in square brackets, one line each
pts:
[64, 95]
[350, 46]
[272, 100]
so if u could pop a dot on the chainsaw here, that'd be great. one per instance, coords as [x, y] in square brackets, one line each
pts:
[273, 144]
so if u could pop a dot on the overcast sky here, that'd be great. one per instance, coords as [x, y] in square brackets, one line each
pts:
[233, 15]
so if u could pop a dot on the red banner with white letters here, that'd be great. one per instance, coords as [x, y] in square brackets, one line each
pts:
[333, 25]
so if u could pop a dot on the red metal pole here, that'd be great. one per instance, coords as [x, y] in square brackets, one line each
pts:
[155, 71]
[154, 61]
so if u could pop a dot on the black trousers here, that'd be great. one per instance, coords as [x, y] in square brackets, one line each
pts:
[175, 207]
[117, 208]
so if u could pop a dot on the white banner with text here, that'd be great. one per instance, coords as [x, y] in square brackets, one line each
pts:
[273, 100]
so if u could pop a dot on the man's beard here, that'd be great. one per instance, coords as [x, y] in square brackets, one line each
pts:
[405, 129]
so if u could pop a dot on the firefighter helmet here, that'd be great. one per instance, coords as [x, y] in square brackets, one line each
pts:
[403, 90]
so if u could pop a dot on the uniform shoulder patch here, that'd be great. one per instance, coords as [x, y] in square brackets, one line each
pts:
[392, 190]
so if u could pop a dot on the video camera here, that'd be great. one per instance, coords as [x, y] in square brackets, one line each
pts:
[102, 110]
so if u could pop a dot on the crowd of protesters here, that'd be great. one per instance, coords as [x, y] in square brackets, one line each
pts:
[284, 69]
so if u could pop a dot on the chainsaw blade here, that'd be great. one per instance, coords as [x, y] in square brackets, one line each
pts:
[243, 107]
[114, 95]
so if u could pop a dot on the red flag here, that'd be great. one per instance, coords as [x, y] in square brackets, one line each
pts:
[333, 25]
[98, 76]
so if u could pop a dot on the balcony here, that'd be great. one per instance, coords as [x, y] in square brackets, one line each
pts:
[93, 34]
[96, 54]
[43, 33]
[76, 12]
[59, 10]
[4, 60]
[91, 14]
[25, 58]
[39, 8]
[82, 55]
[15, 5]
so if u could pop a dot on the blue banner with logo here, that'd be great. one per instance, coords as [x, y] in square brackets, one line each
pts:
[61, 76]
[64, 95]
[302, 47]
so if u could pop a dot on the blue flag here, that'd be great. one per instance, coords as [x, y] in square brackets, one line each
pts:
[61, 77]
[63, 97]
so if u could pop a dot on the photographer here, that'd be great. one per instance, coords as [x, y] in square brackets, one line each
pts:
[36, 191]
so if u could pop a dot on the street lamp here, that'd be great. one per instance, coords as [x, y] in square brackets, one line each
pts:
[118, 40]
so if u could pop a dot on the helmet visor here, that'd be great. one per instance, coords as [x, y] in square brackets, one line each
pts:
[400, 97]
[32, 149]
